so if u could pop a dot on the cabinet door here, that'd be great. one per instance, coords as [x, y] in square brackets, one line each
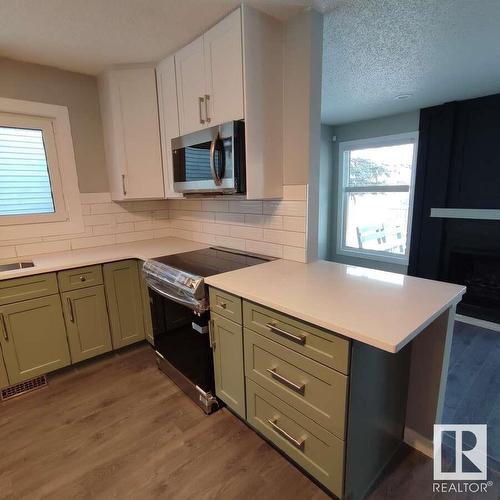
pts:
[224, 70]
[228, 363]
[129, 110]
[146, 305]
[33, 337]
[87, 322]
[123, 294]
[4, 379]
[169, 119]
[190, 75]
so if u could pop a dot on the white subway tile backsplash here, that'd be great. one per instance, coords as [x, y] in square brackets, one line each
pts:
[44, 247]
[272, 227]
[215, 205]
[294, 224]
[230, 218]
[93, 241]
[284, 207]
[264, 248]
[245, 207]
[270, 221]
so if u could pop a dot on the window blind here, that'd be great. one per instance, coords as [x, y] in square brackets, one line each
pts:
[24, 176]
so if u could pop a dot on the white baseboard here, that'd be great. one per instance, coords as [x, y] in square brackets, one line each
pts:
[419, 442]
[489, 325]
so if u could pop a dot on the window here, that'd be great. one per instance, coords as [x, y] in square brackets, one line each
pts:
[39, 192]
[30, 183]
[375, 197]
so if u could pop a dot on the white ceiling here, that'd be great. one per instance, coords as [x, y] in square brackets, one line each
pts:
[89, 35]
[437, 50]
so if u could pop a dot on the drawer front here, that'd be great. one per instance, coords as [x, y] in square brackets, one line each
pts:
[29, 287]
[315, 343]
[313, 448]
[225, 304]
[81, 277]
[315, 390]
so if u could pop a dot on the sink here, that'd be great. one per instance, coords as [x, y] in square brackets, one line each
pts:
[16, 265]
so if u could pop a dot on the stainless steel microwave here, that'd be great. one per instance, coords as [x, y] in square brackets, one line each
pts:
[211, 160]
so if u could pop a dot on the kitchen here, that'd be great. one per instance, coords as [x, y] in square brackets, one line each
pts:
[167, 328]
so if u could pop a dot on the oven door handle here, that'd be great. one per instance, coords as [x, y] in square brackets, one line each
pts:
[197, 305]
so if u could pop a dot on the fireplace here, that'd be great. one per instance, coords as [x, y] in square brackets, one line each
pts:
[480, 273]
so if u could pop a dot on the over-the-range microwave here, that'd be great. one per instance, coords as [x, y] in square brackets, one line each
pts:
[211, 160]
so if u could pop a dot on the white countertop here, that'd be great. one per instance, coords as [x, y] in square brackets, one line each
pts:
[384, 310]
[143, 250]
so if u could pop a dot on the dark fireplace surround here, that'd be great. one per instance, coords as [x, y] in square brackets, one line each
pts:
[458, 167]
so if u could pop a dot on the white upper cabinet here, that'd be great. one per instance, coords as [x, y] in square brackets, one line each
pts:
[224, 70]
[169, 121]
[210, 77]
[190, 68]
[129, 109]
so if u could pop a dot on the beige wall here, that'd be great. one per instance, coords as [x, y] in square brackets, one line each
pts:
[33, 82]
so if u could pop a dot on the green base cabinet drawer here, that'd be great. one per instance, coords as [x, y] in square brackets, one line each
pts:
[309, 445]
[87, 323]
[315, 390]
[29, 287]
[226, 305]
[33, 338]
[81, 277]
[315, 343]
[228, 362]
[124, 297]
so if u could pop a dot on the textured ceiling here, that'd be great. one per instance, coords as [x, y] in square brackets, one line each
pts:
[89, 35]
[437, 50]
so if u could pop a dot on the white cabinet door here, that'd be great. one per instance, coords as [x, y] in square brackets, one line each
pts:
[141, 135]
[224, 70]
[129, 110]
[190, 73]
[169, 119]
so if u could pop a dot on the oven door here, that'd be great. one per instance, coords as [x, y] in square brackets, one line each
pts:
[204, 161]
[182, 341]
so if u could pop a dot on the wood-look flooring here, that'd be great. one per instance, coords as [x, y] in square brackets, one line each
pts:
[119, 428]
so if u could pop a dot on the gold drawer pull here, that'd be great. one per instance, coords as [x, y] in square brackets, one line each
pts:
[285, 381]
[297, 443]
[83, 278]
[223, 305]
[299, 339]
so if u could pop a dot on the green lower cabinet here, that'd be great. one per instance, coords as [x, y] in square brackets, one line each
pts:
[4, 379]
[146, 306]
[228, 363]
[122, 284]
[87, 323]
[33, 337]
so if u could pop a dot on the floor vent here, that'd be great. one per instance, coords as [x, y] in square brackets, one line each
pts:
[24, 387]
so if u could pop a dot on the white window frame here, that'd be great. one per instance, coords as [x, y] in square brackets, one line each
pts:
[54, 122]
[373, 142]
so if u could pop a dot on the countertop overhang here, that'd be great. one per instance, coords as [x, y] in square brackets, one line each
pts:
[381, 309]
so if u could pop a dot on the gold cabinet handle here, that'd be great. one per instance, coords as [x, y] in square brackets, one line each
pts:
[200, 104]
[298, 339]
[71, 313]
[207, 115]
[283, 380]
[298, 443]
[83, 278]
[4, 327]
[223, 305]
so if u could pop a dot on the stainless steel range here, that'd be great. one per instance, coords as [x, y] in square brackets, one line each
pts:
[180, 314]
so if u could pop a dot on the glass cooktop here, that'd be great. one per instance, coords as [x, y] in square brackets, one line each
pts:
[210, 261]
